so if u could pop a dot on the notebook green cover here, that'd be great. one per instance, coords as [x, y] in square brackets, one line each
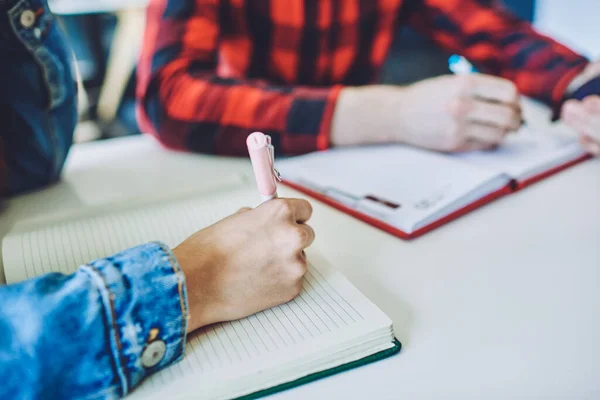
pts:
[324, 374]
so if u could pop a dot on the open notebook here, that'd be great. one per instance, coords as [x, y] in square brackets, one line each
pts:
[408, 192]
[328, 328]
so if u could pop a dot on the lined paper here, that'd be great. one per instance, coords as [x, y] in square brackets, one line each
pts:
[318, 311]
[64, 246]
[330, 323]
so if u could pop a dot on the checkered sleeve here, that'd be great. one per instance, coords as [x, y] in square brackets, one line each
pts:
[498, 43]
[188, 105]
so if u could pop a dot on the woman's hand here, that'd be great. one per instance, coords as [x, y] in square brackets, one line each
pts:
[246, 263]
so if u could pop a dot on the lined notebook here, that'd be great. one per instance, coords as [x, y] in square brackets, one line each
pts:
[120, 172]
[328, 328]
[408, 192]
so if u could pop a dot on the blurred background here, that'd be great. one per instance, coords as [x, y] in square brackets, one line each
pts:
[106, 37]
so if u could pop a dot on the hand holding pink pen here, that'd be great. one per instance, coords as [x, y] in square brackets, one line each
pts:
[262, 155]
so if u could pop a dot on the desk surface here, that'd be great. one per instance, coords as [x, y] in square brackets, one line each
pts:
[502, 303]
[72, 7]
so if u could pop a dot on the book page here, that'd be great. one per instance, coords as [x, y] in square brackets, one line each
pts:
[407, 184]
[122, 173]
[330, 323]
[231, 359]
[527, 153]
[30, 250]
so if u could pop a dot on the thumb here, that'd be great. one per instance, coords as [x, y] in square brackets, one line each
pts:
[243, 210]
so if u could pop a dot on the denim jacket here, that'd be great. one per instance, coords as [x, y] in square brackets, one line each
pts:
[38, 96]
[98, 332]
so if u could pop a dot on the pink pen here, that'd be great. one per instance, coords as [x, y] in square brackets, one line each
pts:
[262, 155]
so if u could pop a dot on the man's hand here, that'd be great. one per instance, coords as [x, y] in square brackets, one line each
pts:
[448, 113]
[584, 116]
[459, 113]
[246, 263]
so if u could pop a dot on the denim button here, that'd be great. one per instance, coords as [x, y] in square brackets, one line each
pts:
[27, 19]
[153, 353]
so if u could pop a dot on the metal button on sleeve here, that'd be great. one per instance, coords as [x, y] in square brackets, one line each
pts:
[28, 19]
[153, 353]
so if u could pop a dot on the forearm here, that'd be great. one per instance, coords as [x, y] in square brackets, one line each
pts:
[367, 115]
[205, 113]
[498, 43]
[38, 97]
[96, 333]
[189, 104]
[541, 67]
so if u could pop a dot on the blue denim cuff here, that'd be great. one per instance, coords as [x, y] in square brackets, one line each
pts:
[144, 296]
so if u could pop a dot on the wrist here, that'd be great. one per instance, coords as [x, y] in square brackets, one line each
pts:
[591, 71]
[572, 83]
[366, 115]
[193, 267]
[591, 87]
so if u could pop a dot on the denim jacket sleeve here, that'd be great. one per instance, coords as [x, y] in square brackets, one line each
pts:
[94, 334]
[38, 96]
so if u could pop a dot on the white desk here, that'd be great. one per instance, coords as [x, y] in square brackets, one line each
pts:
[500, 304]
[503, 303]
[75, 7]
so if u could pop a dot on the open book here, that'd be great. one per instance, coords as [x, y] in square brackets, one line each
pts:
[328, 328]
[407, 191]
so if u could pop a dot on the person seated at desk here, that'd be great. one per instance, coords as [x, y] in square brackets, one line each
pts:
[98, 332]
[305, 71]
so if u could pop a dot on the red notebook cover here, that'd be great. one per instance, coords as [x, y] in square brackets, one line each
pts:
[508, 189]
[530, 181]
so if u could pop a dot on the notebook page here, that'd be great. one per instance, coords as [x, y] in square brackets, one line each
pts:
[328, 315]
[63, 246]
[418, 182]
[122, 173]
[231, 359]
[528, 153]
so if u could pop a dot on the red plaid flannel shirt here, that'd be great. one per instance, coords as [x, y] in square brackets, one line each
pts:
[213, 71]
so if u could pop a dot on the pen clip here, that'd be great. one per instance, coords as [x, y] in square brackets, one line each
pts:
[271, 149]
